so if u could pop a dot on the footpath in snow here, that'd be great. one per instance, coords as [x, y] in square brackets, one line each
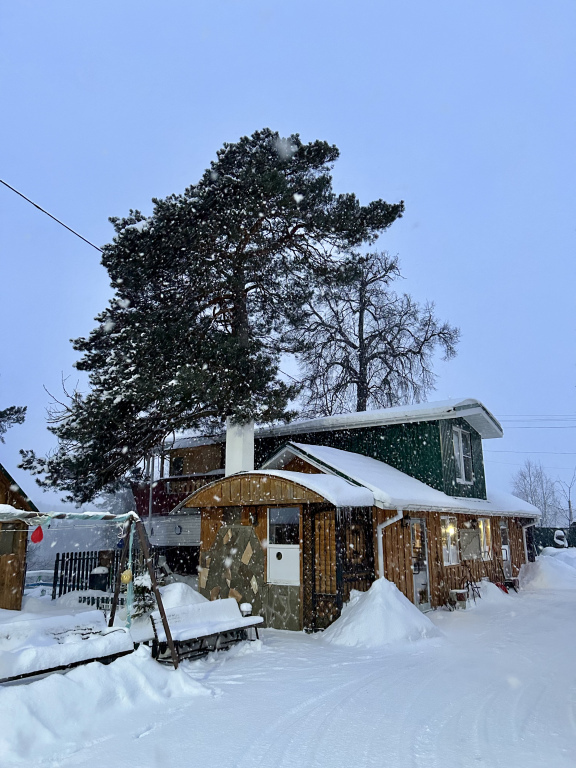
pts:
[495, 686]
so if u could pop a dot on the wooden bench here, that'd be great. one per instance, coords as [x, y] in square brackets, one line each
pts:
[200, 628]
[33, 644]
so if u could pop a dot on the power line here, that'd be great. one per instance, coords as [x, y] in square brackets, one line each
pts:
[549, 453]
[571, 426]
[52, 217]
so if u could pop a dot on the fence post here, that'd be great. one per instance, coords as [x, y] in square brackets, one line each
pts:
[55, 579]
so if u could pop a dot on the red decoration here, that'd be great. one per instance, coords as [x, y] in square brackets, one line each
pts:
[37, 536]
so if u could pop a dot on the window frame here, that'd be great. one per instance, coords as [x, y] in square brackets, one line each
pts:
[453, 548]
[486, 548]
[285, 529]
[460, 457]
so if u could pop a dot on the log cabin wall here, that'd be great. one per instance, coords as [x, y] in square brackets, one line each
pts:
[398, 561]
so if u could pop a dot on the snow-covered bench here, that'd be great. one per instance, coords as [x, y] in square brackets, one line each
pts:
[200, 628]
[32, 644]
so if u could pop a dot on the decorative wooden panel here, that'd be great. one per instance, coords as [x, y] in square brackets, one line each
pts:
[238, 490]
[325, 553]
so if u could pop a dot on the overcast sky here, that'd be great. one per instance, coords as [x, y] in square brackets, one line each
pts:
[464, 110]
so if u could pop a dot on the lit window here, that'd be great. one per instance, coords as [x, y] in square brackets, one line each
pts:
[485, 538]
[462, 455]
[450, 541]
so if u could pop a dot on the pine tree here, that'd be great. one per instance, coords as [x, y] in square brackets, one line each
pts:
[202, 288]
[14, 414]
[144, 599]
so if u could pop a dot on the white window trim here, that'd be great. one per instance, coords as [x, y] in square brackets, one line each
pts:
[457, 542]
[459, 458]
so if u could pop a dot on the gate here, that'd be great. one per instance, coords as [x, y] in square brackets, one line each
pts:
[342, 554]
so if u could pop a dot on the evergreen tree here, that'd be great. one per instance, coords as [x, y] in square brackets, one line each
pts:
[202, 288]
[14, 414]
[361, 345]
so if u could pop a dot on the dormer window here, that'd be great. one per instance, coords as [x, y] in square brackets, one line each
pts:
[463, 455]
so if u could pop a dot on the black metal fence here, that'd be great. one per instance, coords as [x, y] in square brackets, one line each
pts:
[72, 569]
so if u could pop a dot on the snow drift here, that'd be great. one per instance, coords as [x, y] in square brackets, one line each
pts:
[491, 595]
[55, 711]
[34, 642]
[177, 594]
[553, 569]
[379, 617]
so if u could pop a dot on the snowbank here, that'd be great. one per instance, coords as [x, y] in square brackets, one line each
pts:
[554, 569]
[174, 595]
[55, 711]
[492, 595]
[379, 617]
[34, 642]
[565, 555]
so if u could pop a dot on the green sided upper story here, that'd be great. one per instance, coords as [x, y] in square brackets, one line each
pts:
[438, 443]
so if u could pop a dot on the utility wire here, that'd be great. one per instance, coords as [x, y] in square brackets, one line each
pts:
[549, 453]
[52, 217]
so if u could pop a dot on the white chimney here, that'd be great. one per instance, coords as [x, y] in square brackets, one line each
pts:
[239, 447]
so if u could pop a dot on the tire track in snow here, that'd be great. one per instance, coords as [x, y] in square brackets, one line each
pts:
[281, 742]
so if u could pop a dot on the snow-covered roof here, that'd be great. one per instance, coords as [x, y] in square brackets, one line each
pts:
[476, 414]
[337, 490]
[393, 489]
[470, 409]
[7, 513]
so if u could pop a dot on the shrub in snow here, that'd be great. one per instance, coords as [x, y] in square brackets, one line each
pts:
[379, 617]
[144, 600]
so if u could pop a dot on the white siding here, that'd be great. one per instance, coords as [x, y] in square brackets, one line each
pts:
[175, 531]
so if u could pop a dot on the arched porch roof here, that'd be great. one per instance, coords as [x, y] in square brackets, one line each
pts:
[280, 487]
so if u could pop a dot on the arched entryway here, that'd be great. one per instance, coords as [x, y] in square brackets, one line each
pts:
[281, 545]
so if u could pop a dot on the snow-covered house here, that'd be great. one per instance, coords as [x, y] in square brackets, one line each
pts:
[338, 501]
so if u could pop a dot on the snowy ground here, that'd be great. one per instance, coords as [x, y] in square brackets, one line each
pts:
[497, 688]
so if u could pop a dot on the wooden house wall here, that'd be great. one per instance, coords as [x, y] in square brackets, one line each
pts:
[398, 560]
[300, 465]
[11, 494]
[13, 565]
[199, 459]
[397, 553]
